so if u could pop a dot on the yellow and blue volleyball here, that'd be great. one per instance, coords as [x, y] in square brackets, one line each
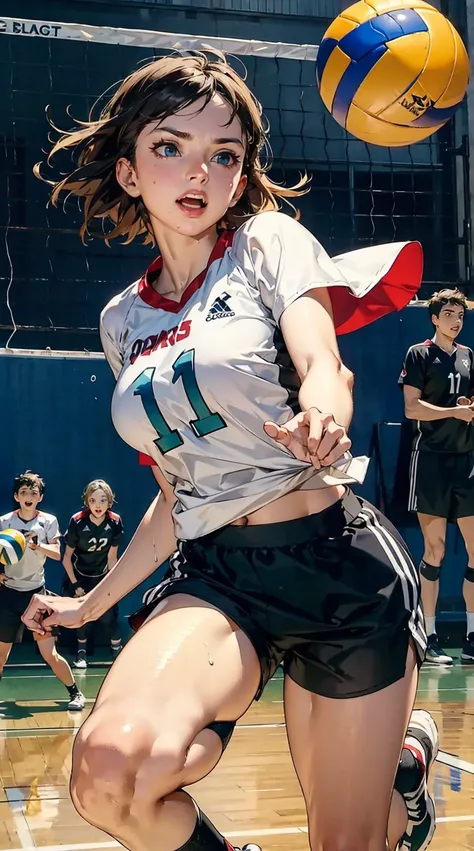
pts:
[392, 73]
[12, 546]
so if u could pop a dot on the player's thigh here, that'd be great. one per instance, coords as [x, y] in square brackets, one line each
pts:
[11, 610]
[345, 753]
[5, 650]
[186, 667]
[188, 646]
[433, 485]
[464, 499]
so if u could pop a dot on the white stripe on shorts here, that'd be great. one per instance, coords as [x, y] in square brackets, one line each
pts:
[412, 498]
[403, 565]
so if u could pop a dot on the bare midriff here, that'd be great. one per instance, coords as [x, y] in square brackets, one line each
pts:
[290, 506]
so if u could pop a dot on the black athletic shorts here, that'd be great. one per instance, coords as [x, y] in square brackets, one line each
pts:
[12, 605]
[87, 583]
[335, 596]
[109, 619]
[442, 484]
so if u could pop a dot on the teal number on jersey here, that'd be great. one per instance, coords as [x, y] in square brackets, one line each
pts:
[206, 422]
[168, 438]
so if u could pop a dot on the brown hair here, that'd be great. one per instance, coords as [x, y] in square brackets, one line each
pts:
[159, 89]
[98, 484]
[438, 300]
[30, 480]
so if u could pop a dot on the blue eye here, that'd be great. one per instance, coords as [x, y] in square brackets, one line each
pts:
[169, 150]
[165, 149]
[225, 158]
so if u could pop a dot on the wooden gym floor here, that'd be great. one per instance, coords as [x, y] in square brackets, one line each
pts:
[252, 794]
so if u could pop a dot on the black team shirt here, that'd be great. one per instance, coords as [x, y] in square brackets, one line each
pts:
[442, 378]
[91, 542]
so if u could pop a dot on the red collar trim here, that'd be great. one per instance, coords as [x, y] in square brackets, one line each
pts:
[154, 299]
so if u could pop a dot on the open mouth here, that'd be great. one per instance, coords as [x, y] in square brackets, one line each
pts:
[192, 201]
[28, 504]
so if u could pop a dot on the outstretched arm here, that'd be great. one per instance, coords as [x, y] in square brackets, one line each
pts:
[308, 328]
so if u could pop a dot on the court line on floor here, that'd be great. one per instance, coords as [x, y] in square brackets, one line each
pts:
[37, 732]
[272, 831]
[44, 676]
[16, 802]
[455, 762]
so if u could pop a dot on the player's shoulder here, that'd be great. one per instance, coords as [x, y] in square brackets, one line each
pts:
[45, 517]
[268, 226]
[420, 348]
[465, 349]
[7, 519]
[269, 240]
[114, 315]
[80, 515]
[114, 516]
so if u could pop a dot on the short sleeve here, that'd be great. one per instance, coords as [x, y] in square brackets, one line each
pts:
[471, 374]
[72, 535]
[111, 350]
[52, 532]
[282, 260]
[116, 540]
[413, 372]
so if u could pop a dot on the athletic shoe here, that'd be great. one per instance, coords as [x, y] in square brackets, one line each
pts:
[435, 654]
[467, 654]
[81, 661]
[250, 847]
[77, 702]
[422, 739]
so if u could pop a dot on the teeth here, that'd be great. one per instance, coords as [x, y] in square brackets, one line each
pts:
[192, 197]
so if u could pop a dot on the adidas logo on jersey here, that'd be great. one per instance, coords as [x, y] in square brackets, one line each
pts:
[106, 528]
[220, 309]
[436, 360]
[87, 529]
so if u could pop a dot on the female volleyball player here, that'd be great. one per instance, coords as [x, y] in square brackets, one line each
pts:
[92, 541]
[229, 377]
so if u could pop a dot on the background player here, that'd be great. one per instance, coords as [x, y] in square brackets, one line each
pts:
[20, 581]
[438, 385]
[92, 541]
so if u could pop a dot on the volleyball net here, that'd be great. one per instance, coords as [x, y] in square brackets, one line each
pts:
[53, 286]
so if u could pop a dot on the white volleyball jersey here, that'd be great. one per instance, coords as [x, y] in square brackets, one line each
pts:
[197, 379]
[28, 573]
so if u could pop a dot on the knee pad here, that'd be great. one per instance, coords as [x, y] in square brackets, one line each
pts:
[469, 574]
[429, 572]
[224, 730]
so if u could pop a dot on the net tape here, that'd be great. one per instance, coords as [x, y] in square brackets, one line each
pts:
[155, 39]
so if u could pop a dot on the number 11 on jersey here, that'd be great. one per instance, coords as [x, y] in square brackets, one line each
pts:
[454, 382]
[205, 422]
